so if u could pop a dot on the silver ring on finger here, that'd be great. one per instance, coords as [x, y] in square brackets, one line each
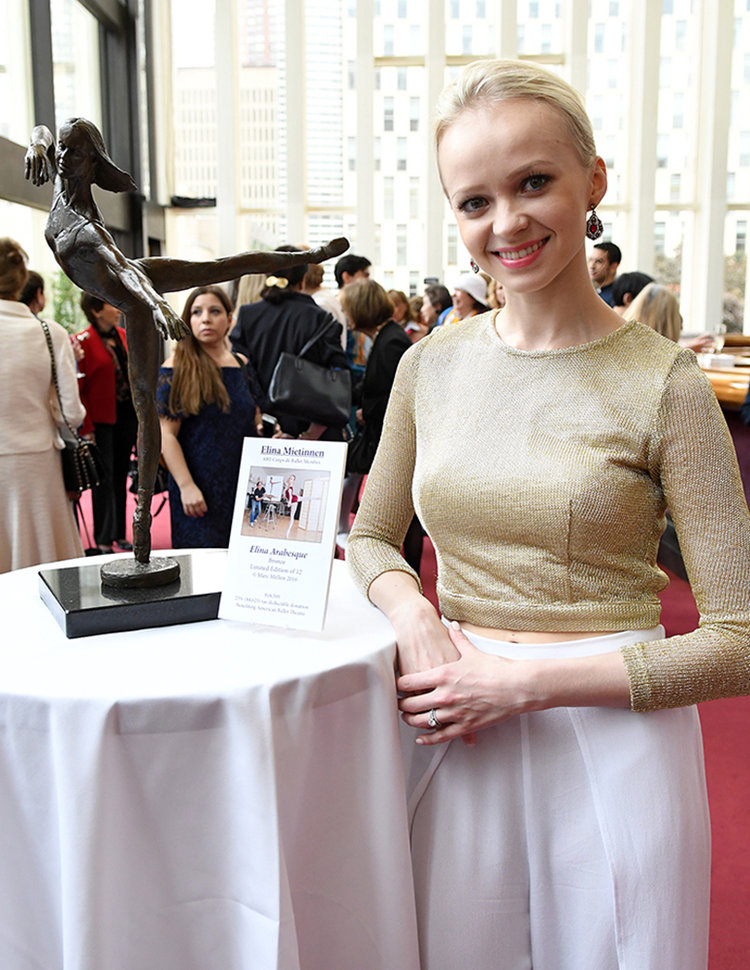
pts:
[432, 719]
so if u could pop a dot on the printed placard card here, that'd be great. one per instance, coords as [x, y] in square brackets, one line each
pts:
[283, 532]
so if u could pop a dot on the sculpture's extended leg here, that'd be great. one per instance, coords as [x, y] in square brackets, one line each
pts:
[144, 354]
[169, 274]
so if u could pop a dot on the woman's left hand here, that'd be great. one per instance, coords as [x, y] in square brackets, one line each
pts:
[193, 503]
[468, 694]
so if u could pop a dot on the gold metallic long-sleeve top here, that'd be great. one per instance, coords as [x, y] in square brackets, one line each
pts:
[543, 477]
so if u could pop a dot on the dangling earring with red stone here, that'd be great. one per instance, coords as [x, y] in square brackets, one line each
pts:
[594, 225]
[474, 267]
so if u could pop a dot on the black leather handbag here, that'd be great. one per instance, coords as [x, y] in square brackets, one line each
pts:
[82, 466]
[360, 453]
[301, 389]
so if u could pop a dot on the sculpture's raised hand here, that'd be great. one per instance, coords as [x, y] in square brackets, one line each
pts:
[37, 165]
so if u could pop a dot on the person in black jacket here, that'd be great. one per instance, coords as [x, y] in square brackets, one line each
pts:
[283, 320]
[370, 311]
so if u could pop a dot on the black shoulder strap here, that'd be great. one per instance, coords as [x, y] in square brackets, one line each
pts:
[48, 338]
[240, 361]
[318, 334]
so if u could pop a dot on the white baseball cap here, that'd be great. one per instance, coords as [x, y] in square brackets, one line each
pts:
[474, 286]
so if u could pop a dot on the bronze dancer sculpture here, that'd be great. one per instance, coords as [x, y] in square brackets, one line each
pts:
[89, 256]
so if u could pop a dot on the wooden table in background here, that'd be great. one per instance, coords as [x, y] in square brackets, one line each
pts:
[729, 383]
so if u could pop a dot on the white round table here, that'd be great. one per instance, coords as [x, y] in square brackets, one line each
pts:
[209, 795]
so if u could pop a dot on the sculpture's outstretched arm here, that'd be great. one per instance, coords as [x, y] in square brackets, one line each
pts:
[179, 274]
[39, 163]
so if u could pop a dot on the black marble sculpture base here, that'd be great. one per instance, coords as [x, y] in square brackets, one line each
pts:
[131, 574]
[83, 606]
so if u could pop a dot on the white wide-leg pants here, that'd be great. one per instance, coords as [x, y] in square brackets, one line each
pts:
[568, 839]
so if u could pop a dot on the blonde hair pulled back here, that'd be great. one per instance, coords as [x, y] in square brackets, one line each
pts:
[658, 308]
[488, 82]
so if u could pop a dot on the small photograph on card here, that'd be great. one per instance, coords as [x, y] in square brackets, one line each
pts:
[283, 536]
[286, 503]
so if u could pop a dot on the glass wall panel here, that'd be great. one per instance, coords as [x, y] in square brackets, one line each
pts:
[15, 73]
[677, 104]
[540, 27]
[608, 78]
[399, 29]
[194, 99]
[397, 128]
[143, 101]
[26, 225]
[324, 65]
[402, 122]
[75, 53]
[735, 269]
[736, 309]
[672, 229]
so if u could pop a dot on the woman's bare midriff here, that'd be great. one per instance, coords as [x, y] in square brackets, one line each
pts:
[525, 636]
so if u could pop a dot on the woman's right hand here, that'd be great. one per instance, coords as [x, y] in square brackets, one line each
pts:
[421, 637]
[193, 503]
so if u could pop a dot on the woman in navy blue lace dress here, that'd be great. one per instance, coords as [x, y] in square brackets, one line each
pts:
[208, 401]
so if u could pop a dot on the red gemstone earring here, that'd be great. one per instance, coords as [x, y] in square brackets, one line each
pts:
[475, 268]
[594, 225]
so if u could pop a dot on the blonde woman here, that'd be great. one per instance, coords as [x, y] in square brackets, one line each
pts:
[559, 813]
[292, 499]
[208, 403]
[658, 308]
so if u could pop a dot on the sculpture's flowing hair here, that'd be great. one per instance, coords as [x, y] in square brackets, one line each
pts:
[108, 175]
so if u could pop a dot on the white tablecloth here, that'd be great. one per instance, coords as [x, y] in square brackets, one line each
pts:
[211, 796]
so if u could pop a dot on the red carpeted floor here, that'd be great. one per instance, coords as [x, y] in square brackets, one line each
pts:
[725, 739]
[725, 730]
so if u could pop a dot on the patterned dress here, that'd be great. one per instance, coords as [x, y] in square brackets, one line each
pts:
[212, 444]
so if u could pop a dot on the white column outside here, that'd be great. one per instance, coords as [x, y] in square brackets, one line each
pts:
[227, 126]
[702, 284]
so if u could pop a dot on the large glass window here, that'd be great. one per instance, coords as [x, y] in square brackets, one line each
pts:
[15, 73]
[736, 288]
[26, 224]
[75, 55]
[395, 131]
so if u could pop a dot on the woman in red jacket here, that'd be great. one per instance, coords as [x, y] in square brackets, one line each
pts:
[110, 416]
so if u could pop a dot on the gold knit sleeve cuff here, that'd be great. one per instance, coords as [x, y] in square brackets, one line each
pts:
[638, 675]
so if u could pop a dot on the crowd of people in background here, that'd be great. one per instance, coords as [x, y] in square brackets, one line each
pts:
[212, 387]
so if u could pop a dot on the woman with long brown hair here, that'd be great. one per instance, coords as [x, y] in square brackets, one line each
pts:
[208, 402]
